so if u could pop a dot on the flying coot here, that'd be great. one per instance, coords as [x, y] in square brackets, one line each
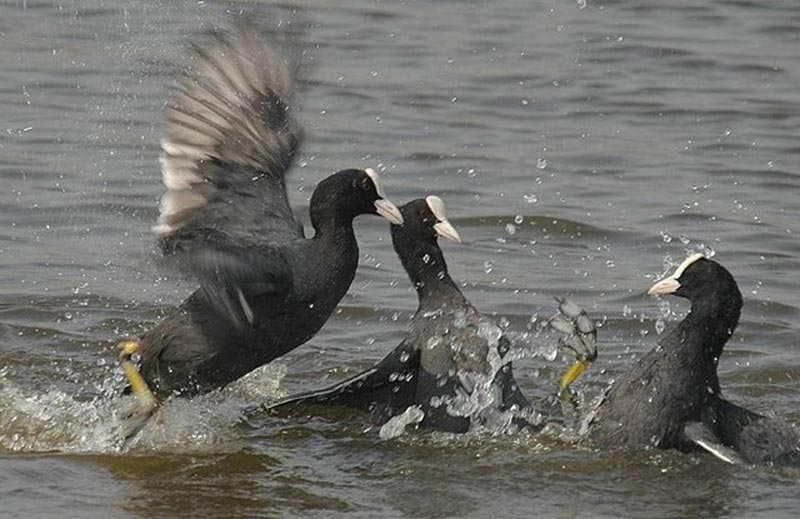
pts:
[225, 219]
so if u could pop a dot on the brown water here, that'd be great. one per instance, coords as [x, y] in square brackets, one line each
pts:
[579, 150]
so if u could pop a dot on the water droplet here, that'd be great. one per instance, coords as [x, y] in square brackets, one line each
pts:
[581, 4]
[488, 266]
[530, 198]
[541, 163]
[666, 238]
[511, 229]
[426, 258]
[518, 219]
[660, 325]
[626, 311]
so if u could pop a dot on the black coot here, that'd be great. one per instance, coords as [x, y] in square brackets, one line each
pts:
[452, 366]
[671, 398]
[225, 219]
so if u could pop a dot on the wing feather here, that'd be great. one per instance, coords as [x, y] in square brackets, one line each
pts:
[230, 138]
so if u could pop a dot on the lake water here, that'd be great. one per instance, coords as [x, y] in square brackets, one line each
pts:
[581, 147]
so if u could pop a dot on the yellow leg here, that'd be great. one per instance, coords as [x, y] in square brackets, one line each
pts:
[570, 376]
[139, 387]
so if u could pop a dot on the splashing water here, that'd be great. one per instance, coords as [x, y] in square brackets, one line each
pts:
[54, 420]
[396, 426]
[478, 396]
[57, 420]
[530, 198]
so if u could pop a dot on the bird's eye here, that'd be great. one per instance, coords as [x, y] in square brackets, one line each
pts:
[366, 185]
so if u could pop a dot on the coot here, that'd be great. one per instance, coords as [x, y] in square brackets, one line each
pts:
[452, 368]
[225, 219]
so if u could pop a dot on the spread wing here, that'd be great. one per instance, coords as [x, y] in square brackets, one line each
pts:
[230, 138]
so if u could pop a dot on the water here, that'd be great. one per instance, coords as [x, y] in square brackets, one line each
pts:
[610, 136]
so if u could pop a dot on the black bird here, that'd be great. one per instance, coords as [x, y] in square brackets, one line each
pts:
[671, 398]
[225, 219]
[452, 367]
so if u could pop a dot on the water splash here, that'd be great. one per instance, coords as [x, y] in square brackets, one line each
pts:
[55, 419]
[396, 426]
[530, 198]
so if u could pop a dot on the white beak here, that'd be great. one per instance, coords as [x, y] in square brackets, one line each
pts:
[443, 227]
[665, 286]
[446, 230]
[388, 210]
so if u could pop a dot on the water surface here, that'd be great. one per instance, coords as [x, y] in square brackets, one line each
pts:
[579, 150]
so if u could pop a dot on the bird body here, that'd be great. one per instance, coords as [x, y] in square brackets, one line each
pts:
[452, 365]
[209, 341]
[226, 221]
[671, 397]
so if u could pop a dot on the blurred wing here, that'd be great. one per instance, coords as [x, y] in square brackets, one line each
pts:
[229, 140]
[240, 284]
[385, 389]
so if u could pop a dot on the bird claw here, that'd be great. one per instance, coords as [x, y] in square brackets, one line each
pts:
[578, 331]
[578, 337]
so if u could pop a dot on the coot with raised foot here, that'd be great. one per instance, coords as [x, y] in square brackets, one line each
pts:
[671, 398]
[225, 220]
[452, 366]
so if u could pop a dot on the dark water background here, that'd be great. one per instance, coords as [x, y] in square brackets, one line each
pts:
[580, 149]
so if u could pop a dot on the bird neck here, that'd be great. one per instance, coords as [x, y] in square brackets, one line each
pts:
[427, 269]
[333, 228]
[712, 321]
